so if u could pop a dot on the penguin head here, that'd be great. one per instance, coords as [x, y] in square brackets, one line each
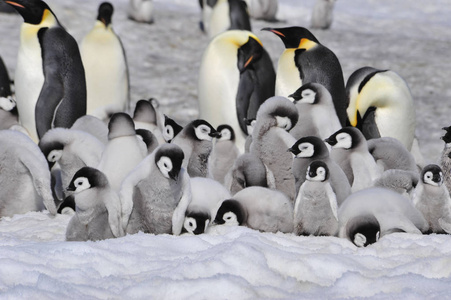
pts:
[346, 138]
[317, 171]
[8, 104]
[293, 37]
[363, 230]
[196, 222]
[105, 13]
[33, 12]
[231, 212]
[87, 178]
[171, 129]
[201, 130]
[145, 111]
[249, 53]
[311, 93]
[250, 124]
[121, 124]
[309, 146]
[169, 158]
[281, 110]
[432, 174]
[52, 151]
[447, 137]
[226, 133]
[148, 138]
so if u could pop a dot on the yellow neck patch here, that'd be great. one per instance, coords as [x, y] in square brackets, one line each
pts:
[306, 44]
[48, 19]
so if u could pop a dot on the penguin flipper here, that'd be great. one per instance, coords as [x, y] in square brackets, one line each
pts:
[243, 98]
[239, 17]
[369, 126]
[178, 217]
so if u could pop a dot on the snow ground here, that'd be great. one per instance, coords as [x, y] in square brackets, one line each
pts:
[412, 38]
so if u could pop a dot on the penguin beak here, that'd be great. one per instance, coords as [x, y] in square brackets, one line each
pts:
[436, 178]
[173, 175]
[248, 61]
[292, 150]
[273, 31]
[15, 4]
[330, 141]
[215, 134]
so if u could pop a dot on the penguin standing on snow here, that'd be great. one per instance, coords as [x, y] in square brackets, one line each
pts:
[306, 60]
[236, 77]
[107, 78]
[226, 15]
[50, 81]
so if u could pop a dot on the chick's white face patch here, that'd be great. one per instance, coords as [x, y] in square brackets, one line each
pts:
[203, 132]
[164, 164]
[81, 184]
[283, 122]
[54, 155]
[344, 140]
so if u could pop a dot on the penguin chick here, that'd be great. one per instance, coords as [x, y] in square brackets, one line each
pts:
[147, 116]
[141, 11]
[400, 181]
[315, 210]
[223, 154]
[258, 208]
[390, 153]
[148, 138]
[207, 196]
[309, 149]
[322, 14]
[250, 124]
[97, 208]
[432, 199]
[195, 139]
[356, 160]
[9, 116]
[445, 158]
[24, 176]
[170, 129]
[156, 194]
[94, 126]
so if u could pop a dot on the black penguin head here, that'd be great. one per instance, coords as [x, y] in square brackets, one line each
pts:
[226, 133]
[250, 124]
[283, 111]
[169, 158]
[105, 14]
[346, 138]
[121, 124]
[292, 36]
[309, 147]
[363, 230]
[317, 171]
[305, 94]
[432, 174]
[447, 137]
[231, 212]
[171, 129]
[201, 130]
[148, 138]
[52, 151]
[32, 11]
[249, 53]
[87, 178]
[145, 111]
[196, 222]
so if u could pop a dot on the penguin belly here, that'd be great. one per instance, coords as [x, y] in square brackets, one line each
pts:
[288, 79]
[219, 19]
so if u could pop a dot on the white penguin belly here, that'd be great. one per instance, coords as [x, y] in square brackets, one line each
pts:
[219, 19]
[288, 79]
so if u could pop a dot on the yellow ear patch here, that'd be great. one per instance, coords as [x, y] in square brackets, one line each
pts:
[306, 44]
[48, 19]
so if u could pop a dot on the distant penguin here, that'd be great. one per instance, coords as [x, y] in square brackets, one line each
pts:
[236, 77]
[147, 116]
[207, 196]
[306, 60]
[196, 141]
[380, 105]
[317, 114]
[141, 11]
[5, 81]
[227, 15]
[170, 129]
[123, 152]
[445, 158]
[258, 208]
[107, 78]
[263, 9]
[389, 153]
[9, 116]
[371, 213]
[322, 14]
[309, 149]
[354, 157]
[50, 81]
[156, 194]
[24, 176]
[315, 209]
[432, 199]
[97, 208]
[223, 154]
[271, 139]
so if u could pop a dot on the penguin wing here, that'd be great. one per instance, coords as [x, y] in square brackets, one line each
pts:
[178, 217]
[244, 95]
[332, 200]
[113, 206]
[367, 124]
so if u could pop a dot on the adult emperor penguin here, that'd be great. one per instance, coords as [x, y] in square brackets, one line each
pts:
[315, 209]
[236, 76]
[322, 14]
[431, 198]
[258, 208]
[97, 208]
[380, 105]
[445, 158]
[141, 11]
[24, 176]
[306, 60]
[107, 79]
[156, 194]
[309, 149]
[371, 213]
[227, 15]
[263, 9]
[50, 81]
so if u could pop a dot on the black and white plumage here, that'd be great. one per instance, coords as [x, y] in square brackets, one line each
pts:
[156, 194]
[226, 15]
[432, 199]
[315, 209]
[148, 116]
[445, 158]
[141, 11]
[98, 210]
[258, 208]
[9, 115]
[170, 129]
[312, 148]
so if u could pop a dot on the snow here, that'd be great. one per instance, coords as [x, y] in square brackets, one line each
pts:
[412, 38]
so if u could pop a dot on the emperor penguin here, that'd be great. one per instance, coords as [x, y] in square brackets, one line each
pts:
[389, 153]
[5, 81]
[97, 208]
[380, 105]
[263, 9]
[306, 60]
[371, 213]
[141, 11]
[271, 139]
[107, 78]
[258, 208]
[431, 198]
[24, 176]
[156, 194]
[227, 15]
[316, 109]
[354, 157]
[322, 14]
[206, 197]
[147, 116]
[223, 154]
[196, 141]
[445, 158]
[50, 86]
[316, 208]
[123, 152]
[309, 149]
[236, 76]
